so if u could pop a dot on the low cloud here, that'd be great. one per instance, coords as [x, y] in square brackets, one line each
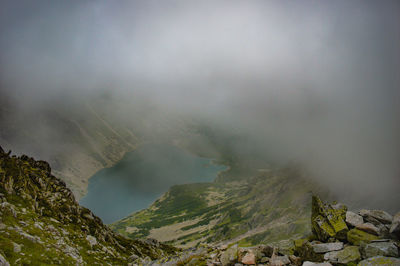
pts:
[309, 81]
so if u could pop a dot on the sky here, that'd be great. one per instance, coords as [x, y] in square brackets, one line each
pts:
[315, 82]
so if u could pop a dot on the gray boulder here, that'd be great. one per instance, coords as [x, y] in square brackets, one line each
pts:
[327, 247]
[230, 256]
[395, 227]
[3, 261]
[309, 263]
[369, 228]
[331, 256]
[92, 240]
[376, 215]
[353, 219]
[380, 248]
[384, 230]
[347, 255]
[379, 260]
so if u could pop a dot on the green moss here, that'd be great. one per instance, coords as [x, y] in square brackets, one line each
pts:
[356, 236]
[298, 243]
[350, 254]
[326, 221]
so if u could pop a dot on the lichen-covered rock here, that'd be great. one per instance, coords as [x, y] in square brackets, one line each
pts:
[230, 256]
[356, 236]
[380, 260]
[326, 221]
[306, 252]
[279, 260]
[285, 247]
[350, 254]
[341, 209]
[353, 219]
[298, 243]
[380, 248]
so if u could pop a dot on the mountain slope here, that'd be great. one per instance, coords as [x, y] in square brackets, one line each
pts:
[271, 206]
[76, 140]
[41, 223]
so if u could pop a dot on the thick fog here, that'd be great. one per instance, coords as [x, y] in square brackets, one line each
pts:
[314, 82]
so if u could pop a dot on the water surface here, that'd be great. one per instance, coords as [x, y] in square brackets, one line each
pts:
[141, 177]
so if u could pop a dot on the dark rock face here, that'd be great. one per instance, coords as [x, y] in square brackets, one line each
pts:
[32, 197]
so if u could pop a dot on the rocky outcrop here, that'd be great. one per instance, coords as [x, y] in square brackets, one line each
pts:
[41, 223]
[366, 236]
[328, 222]
[355, 247]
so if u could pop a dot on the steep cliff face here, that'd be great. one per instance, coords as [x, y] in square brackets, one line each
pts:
[41, 223]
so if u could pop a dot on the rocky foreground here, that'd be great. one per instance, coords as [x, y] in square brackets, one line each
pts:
[42, 224]
[339, 237]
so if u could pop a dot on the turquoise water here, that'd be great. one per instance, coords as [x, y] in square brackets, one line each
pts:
[141, 177]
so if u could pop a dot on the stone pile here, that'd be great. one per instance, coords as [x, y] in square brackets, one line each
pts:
[342, 237]
[339, 237]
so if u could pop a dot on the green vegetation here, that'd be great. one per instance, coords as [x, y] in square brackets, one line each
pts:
[270, 206]
[42, 224]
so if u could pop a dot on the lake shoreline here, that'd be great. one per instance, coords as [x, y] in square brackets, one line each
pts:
[144, 175]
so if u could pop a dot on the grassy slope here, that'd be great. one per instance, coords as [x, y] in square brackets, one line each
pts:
[42, 224]
[270, 206]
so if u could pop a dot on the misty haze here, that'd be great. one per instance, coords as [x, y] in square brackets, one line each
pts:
[211, 128]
